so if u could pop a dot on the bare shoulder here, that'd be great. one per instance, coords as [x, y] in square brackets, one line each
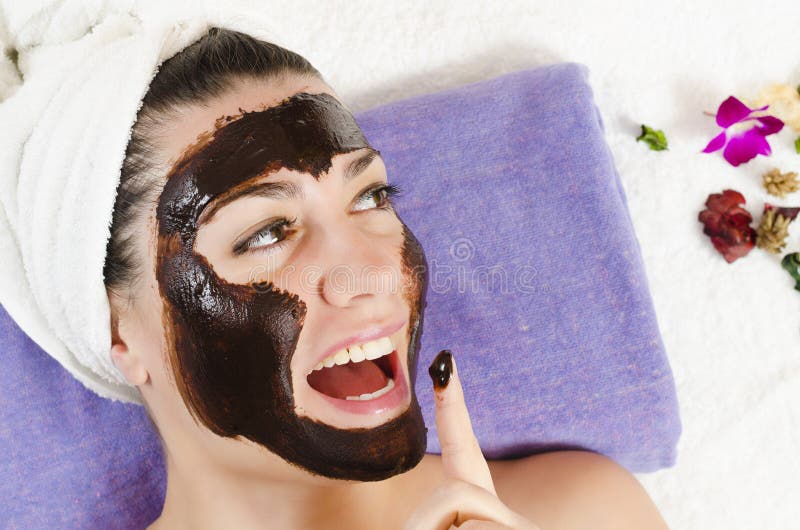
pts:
[574, 490]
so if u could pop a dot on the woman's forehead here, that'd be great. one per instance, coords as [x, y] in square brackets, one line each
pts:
[198, 123]
[303, 132]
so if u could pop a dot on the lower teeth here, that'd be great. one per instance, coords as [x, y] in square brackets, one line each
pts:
[376, 394]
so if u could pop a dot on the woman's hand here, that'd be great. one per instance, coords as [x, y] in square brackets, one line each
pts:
[467, 498]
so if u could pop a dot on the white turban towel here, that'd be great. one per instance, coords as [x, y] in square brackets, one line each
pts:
[66, 111]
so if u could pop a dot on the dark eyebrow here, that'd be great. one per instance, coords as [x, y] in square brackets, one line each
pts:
[358, 165]
[269, 190]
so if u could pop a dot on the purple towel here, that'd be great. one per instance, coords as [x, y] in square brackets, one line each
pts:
[537, 286]
[542, 292]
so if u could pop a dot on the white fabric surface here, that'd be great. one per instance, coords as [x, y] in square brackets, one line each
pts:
[731, 330]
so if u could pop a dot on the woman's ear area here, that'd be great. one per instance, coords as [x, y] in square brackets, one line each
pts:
[127, 361]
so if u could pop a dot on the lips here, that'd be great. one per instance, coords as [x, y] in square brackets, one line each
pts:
[362, 338]
[361, 375]
[359, 372]
[380, 401]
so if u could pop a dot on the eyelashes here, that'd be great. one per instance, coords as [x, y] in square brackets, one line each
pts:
[278, 230]
[385, 192]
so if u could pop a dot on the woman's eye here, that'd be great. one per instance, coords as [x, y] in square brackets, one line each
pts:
[269, 236]
[379, 197]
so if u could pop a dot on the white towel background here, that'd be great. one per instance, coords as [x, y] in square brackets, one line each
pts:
[732, 331]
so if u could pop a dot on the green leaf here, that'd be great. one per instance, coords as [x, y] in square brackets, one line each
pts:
[797, 145]
[791, 262]
[654, 138]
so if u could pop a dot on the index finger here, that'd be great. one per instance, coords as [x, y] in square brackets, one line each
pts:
[461, 454]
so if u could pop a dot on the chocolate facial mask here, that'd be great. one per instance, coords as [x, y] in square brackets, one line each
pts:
[230, 345]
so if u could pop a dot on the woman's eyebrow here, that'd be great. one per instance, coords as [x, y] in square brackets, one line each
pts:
[269, 190]
[358, 165]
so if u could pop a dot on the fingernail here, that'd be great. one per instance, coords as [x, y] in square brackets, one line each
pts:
[441, 368]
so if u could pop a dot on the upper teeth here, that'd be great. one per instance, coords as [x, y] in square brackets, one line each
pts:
[358, 352]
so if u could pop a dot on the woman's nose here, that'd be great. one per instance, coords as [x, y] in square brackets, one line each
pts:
[358, 266]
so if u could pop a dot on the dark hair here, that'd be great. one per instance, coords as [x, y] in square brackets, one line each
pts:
[196, 74]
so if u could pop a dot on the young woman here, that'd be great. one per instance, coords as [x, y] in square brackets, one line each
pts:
[267, 302]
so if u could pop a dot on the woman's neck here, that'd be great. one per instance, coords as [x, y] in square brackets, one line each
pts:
[211, 498]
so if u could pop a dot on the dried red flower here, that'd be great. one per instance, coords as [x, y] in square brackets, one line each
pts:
[728, 224]
[787, 212]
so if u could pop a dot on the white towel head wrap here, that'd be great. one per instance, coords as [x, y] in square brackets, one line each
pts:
[66, 111]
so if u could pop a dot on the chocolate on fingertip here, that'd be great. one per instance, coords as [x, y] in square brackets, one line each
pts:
[441, 368]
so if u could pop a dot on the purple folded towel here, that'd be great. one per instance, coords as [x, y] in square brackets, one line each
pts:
[536, 285]
[541, 289]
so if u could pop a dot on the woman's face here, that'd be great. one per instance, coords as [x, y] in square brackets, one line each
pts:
[285, 292]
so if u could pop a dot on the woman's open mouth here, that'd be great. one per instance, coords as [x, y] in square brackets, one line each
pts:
[363, 378]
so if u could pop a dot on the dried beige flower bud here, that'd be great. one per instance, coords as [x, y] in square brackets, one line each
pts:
[780, 184]
[774, 227]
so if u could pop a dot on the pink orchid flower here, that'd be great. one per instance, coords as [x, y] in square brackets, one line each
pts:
[745, 131]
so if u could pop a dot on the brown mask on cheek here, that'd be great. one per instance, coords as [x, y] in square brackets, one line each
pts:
[231, 345]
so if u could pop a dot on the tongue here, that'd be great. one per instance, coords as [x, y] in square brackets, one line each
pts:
[350, 379]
